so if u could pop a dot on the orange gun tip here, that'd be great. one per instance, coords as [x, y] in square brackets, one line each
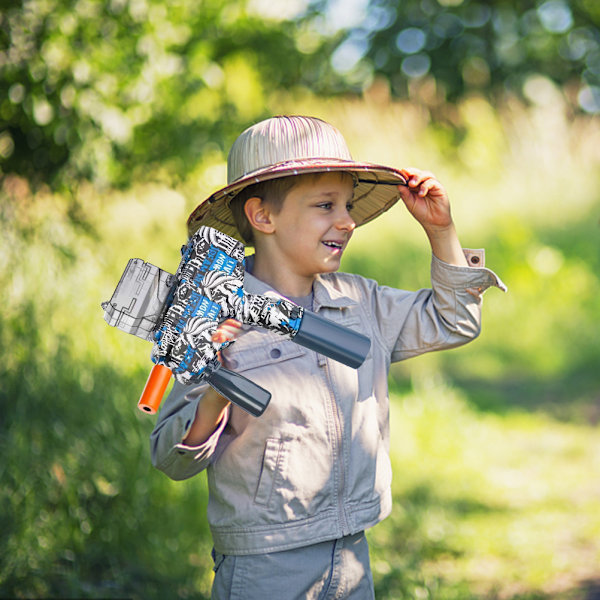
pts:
[154, 389]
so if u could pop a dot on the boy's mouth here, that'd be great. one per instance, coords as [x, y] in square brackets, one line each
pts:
[334, 245]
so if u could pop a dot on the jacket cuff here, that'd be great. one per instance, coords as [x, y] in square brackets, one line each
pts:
[475, 278]
[206, 449]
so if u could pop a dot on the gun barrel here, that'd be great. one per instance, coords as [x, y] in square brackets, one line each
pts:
[326, 337]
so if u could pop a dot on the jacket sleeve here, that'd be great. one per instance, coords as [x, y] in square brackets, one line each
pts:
[168, 452]
[445, 316]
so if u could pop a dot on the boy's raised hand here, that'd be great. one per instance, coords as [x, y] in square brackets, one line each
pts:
[426, 199]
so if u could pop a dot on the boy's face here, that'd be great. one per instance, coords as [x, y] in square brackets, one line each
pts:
[313, 227]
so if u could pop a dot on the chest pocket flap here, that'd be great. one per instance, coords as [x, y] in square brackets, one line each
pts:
[248, 353]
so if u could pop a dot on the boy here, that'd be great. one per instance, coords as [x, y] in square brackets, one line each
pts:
[291, 492]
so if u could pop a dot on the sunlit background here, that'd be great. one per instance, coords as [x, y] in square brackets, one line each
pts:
[115, 121]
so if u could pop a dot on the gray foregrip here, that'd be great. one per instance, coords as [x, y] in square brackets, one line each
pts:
[332, 340]
[241, 391]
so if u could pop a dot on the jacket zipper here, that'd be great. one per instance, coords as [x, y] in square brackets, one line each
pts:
[338, 452]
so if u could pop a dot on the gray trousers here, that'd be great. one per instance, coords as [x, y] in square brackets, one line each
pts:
[326, 571]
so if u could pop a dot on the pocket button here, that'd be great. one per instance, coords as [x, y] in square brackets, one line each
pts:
[275, 353]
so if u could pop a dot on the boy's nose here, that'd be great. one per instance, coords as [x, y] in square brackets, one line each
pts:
[346, 222]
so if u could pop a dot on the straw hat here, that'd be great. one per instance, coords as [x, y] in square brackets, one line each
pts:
[284, 146]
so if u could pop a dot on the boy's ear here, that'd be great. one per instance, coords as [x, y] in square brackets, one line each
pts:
[259, 215]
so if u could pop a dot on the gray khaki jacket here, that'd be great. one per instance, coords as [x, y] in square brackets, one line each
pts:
[315, 465]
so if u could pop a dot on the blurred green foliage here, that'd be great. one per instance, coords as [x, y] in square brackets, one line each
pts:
[486, 507]
[116, 90]
[99, 89]
[463, 46]
[83, 513]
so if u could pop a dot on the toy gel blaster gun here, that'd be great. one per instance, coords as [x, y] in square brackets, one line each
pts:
[181, 312]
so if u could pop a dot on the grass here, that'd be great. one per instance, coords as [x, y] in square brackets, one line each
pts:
[487, 506]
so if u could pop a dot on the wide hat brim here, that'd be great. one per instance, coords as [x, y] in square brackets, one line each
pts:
[376, 190]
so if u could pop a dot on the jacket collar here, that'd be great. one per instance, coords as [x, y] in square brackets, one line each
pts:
[326, 292]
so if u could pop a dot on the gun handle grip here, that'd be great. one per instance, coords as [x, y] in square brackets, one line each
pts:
[241, 391]
[154, 389]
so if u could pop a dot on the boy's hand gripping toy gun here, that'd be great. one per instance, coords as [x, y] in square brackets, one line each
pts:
[181, 312]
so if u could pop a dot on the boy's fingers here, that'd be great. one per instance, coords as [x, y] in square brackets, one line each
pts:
[415, 177]
[420, 183]
[233, 323]
[427, 186]
[220, 336]
[227, 331]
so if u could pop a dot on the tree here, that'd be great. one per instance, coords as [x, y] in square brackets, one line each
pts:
[490, 47]
[102, 88]
[114, 90]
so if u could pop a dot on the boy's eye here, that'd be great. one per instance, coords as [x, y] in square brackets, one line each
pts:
[329, 205]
